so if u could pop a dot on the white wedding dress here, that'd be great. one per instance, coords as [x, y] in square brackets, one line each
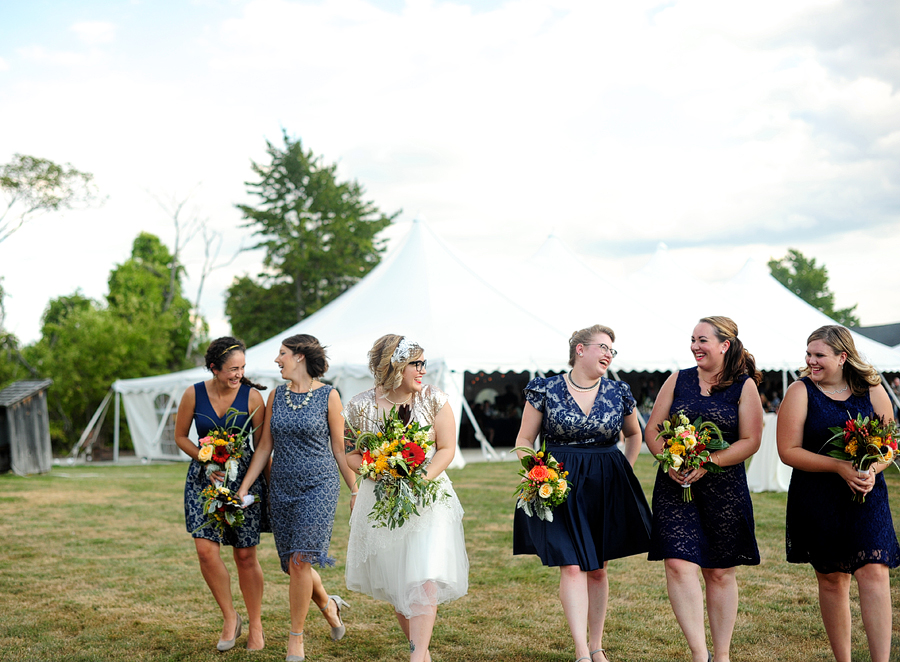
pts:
[422, 563]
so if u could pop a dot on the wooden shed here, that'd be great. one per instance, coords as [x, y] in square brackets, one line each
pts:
[25, 428]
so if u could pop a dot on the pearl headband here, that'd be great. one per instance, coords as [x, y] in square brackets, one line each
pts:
[403, 351]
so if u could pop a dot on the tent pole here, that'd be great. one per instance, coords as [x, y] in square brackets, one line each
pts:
[118, 402]
[90, 426]
[784, 383]
[887, 387]
[486, 449]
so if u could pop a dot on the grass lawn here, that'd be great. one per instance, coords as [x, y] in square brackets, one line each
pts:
[96, 565]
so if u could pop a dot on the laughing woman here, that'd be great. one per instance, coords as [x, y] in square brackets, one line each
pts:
[580, 416]
[305, 429]
[825, 527]
[206, 405]
[714, 532]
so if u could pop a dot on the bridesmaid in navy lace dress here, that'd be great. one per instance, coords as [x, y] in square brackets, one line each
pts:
[580, 416]
[715, 531]
[305, 428]
[825, 527]
[206, 406]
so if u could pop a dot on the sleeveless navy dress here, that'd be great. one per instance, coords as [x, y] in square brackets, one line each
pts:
[825, 527]
[255, 519]
[715, 529]
[304, 487]
[606, 515]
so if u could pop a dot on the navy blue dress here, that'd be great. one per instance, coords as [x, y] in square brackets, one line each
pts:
[606, 515]
[825, 527]
[715, 529]
[304, 481]
[255, 520]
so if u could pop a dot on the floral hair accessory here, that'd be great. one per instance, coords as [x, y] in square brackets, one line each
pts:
[403, 351]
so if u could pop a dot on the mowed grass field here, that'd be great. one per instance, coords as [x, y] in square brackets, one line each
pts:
[96, 565]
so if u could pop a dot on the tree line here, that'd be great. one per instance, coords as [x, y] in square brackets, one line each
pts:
[319, 238]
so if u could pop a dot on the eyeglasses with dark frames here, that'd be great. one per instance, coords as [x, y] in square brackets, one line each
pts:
[419, 365]
[606, 349]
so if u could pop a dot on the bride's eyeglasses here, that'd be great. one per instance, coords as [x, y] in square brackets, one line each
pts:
[419, 365]
[604, 348]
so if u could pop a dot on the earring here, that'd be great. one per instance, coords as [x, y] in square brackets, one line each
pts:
[298, 360]
[580, 353]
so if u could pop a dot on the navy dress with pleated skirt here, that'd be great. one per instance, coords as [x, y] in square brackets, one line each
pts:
[825, 526]
[606, 515]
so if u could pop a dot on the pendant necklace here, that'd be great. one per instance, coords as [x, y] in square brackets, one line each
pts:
[835, 391]
[287, 397]
[581, 389]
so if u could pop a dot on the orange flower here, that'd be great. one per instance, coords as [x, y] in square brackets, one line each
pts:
[538, 473]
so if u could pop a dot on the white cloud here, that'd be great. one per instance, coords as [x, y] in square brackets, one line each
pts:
[711, 126]
[94, 32]
[4, 65]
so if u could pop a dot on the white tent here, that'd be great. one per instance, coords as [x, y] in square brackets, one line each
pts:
[467, 324]
[422, 290]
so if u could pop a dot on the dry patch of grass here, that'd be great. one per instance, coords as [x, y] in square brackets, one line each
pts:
[97, 565]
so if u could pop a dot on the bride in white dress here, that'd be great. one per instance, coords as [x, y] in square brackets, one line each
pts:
[423, 563]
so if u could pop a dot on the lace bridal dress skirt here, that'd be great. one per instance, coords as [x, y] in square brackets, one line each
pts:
[416, 566]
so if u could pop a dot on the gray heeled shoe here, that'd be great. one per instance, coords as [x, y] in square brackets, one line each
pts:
[228, 644]
[599, 650]
[337, 633]
[295, 658]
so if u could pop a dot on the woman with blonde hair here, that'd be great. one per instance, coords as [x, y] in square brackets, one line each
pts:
[422, 563]
[715, 531]
[580, 415]
[825, 526]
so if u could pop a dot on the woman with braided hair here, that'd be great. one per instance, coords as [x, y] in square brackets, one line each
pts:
[206, 405]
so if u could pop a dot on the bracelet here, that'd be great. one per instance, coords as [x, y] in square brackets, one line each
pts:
[353, 494]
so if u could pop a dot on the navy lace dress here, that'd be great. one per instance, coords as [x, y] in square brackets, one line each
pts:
[606, 515]
[825, 527]
[716, 528]
[255, 519]
[304, 481]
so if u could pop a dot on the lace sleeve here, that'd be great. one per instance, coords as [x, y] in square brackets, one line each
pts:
[536, 393]
[628, 401]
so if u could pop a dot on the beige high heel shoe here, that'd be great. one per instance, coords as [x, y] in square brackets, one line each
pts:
[228, 644]
[337, 633]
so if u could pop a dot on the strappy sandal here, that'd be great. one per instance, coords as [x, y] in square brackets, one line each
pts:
[599, 650]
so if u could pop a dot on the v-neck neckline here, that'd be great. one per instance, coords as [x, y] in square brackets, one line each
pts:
[565, 386]
[230, 406]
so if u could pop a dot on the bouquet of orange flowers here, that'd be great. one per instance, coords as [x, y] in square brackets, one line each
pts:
[863, 441]
[544, 485]
[223, 448]
[223, 508]
[688, 445]
[395, 458]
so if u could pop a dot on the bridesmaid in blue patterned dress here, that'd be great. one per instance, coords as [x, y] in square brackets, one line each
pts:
[305, 429]
[580, 416]
[715, 531]
[825, 527]
[206, 405]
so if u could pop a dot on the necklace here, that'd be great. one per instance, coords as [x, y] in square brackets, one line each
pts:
[708, 389]
[396, 404]
[582, 389]
[287, 398]
[835, 391]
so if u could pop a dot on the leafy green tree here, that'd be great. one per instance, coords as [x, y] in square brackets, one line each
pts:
[143, 328]
[808, 281]
[319, 237]
[142, 291]
[259, 312]
[32, 185]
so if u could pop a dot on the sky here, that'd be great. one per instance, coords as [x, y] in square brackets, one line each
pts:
[726, 131]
